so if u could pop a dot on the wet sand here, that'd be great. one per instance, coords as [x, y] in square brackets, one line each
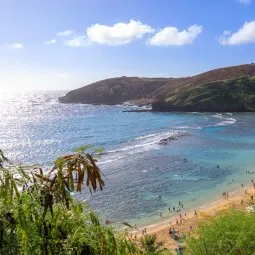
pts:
[234, 200]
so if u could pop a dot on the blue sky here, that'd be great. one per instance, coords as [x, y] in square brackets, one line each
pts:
[63, 44]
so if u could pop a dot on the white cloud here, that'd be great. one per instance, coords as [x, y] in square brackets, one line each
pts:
[171, 36]
[52, 41]
[15, 45]
[78, 41]
[244, 35]
[118, 34]
[65, 33]
[124, 33]
[245, 1]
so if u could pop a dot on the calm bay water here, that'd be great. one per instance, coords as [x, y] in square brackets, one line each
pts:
[209, 153]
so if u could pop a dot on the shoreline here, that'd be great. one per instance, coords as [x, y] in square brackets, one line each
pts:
[237, 198]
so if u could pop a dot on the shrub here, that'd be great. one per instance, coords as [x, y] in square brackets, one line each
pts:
[39, 216]
[229, 233]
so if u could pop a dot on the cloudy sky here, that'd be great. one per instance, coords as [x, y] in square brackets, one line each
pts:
[64, 44]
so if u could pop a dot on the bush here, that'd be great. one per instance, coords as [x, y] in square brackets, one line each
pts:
[150, 246]
[39, 216]
[229, 233]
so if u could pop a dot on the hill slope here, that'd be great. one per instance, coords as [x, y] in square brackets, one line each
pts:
[233, 95]
[223, 89]
[114, 91]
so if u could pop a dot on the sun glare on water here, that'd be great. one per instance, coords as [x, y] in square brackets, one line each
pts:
[8, 93]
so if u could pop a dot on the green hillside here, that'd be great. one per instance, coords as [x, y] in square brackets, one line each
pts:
[234, 95]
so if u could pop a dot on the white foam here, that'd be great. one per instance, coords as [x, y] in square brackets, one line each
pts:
[218, 116]
[146, 136]
[189, 127]
[139, 145]
[226, 121]
[127, 148]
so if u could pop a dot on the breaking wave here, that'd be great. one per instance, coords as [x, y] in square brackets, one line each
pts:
[141, 144]
[226, 121]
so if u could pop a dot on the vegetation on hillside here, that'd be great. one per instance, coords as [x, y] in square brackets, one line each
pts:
[114, 91]
[150, 246]
[235, 95]
[229, 233]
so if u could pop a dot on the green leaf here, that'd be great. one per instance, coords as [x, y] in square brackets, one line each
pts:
[82, 149]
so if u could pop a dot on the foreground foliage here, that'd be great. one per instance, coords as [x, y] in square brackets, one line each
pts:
[150, 246]
[229, 233]
[39, 216]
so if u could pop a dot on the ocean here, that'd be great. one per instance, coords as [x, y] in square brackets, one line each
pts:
[203, 155]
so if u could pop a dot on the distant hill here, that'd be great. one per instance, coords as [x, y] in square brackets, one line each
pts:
[223, 89]
[114, 91]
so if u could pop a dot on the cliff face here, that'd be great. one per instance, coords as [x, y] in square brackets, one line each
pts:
[224, 89]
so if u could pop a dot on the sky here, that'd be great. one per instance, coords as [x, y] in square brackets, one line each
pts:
[64, 44]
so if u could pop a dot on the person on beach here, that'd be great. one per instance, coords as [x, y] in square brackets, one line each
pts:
[195, 212]
[174, 208]
[169, 209]
[179, 203]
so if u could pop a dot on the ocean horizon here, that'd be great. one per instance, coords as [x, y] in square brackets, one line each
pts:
[151, 161]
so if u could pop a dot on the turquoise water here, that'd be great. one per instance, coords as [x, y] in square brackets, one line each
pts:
[208, 153]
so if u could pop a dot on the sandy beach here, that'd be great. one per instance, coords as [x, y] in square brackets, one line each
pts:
[188, 221]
